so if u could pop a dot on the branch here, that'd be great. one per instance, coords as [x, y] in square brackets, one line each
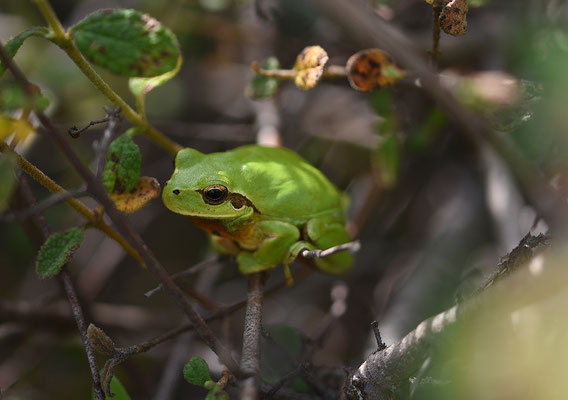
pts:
[70, 291]
[250, 358]
[98, 192]
[392, 367]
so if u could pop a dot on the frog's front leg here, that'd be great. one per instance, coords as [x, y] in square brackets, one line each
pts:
[278, 237]
[323, 233]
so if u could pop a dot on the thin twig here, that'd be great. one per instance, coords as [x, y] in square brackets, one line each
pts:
[178, 276]
[250, 357]
[353, 246]
[75, 132]
[69, 288]
[126, 229]
[435, 52]
[44, 205]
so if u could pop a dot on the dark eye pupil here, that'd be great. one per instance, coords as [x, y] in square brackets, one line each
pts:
[215, 194]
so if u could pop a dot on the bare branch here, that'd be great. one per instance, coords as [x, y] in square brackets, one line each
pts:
[250, 357]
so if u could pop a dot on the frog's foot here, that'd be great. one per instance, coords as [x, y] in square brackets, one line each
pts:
[249, 264]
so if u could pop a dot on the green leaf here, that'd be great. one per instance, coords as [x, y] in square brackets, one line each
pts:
[196, 371]
[140, 87]
[12, 46]
[122, 169]
[8, 164]
[262, 87]
[216, 393]
[57, 251]
[127, 42]
[117, 389]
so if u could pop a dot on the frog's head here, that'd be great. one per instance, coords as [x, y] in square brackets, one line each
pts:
[200, 188]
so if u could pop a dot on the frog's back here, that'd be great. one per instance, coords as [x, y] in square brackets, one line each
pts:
[279, 182]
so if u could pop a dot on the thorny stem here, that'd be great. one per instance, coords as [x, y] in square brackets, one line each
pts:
[69, 288]
[250, 358]
[81, 208]
[65, 42]
[133, 237]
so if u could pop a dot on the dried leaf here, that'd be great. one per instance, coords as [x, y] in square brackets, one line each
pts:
[145, 190]
[100, 341]
[309, 67]
[372, 69]
[453, 19]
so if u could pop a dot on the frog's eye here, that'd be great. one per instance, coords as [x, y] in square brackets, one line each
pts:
[215, 194]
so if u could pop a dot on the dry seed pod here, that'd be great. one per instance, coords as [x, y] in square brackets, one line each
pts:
[309, 67]
[372, 69]
[453, 19]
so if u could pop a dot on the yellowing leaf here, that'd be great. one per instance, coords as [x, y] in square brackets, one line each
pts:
[309, 67]
[372, 69]
[145, 190]
[20, 127]
[453, 17]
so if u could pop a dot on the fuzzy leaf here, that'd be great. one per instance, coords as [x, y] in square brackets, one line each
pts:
[122, 169]
[372, 69]
[12, 46]
[57, 251]
[196, 371]
[145, 190]
[13, 97]
[262, 87]
[127, 42]
[309, 67]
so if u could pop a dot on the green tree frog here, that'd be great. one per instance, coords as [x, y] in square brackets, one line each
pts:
[262, 204]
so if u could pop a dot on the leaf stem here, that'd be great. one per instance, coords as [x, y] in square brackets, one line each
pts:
[65, 42]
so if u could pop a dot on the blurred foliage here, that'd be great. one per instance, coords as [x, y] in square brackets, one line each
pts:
[428, 206]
